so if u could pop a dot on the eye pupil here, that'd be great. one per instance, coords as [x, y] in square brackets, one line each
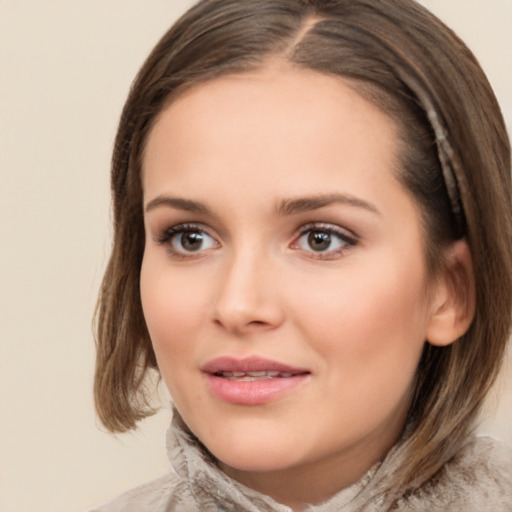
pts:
[191, 240]
[319, 240]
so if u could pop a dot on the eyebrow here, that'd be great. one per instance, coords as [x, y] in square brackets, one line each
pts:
[284, 208]
[177, 203]
[306, 204]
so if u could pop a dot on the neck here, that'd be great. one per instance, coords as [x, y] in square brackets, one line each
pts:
[315, 483]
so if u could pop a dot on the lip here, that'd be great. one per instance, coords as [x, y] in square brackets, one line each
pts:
[255, 392]
[249, 364]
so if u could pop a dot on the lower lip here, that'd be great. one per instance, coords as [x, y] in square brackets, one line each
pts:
[254, 392]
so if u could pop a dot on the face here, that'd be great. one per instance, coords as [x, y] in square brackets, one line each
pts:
[283, 280]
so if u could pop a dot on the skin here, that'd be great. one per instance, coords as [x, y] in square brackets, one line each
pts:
[355, 315]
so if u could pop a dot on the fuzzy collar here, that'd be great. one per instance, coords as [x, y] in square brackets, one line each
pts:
[478, 479]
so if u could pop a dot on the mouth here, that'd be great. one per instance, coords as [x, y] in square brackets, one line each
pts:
[251, 368]
[253, 376]
[252, 380]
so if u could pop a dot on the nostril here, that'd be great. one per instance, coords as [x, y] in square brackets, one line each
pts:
[240, 306]
[240, 326]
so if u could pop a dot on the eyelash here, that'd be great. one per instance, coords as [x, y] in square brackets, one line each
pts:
[347, 239]
[167, 236]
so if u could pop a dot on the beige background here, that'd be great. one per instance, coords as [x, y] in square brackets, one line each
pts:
[65, 69]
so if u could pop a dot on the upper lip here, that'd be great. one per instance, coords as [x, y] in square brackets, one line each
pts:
[249, 364]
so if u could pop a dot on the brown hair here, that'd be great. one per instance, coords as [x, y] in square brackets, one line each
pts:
[455, 163]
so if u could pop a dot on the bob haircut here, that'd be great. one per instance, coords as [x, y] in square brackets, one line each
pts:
[455, 161]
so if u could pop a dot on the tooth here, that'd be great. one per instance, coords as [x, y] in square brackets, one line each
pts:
[253, 376]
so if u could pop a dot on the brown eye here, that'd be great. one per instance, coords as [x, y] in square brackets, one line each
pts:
[325, 240]
[319, 240]
[191, 240]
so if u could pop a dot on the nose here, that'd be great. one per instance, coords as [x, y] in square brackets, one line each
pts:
[247, 298]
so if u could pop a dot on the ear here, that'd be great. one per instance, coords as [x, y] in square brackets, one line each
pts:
[453, 298]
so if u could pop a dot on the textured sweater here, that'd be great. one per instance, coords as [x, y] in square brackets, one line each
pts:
[478, 479]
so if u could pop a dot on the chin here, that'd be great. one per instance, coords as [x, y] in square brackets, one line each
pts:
[256, 459]
[251, 449]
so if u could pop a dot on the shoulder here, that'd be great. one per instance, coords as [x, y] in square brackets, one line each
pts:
[160, 495]
[478, 478]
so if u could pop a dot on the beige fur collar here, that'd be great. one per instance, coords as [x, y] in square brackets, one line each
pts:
[478, 479]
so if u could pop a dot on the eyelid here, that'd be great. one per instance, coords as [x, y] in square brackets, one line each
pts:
[349, 238]
[344, 233]
[165, 234]
[165, 238]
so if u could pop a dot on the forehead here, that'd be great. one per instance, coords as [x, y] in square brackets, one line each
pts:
[279, 117]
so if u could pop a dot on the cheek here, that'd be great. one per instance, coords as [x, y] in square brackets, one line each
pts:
[172, 312]
[370, 345]
[367, 321]
[173, 307]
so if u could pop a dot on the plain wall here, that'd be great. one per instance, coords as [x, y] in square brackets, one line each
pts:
[65, 69]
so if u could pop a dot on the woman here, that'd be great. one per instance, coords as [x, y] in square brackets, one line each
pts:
[306, 249]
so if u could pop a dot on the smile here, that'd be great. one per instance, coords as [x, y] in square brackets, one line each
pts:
[251, 381]
[253, 376]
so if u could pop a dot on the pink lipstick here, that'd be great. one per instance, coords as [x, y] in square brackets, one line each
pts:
[252, 380]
